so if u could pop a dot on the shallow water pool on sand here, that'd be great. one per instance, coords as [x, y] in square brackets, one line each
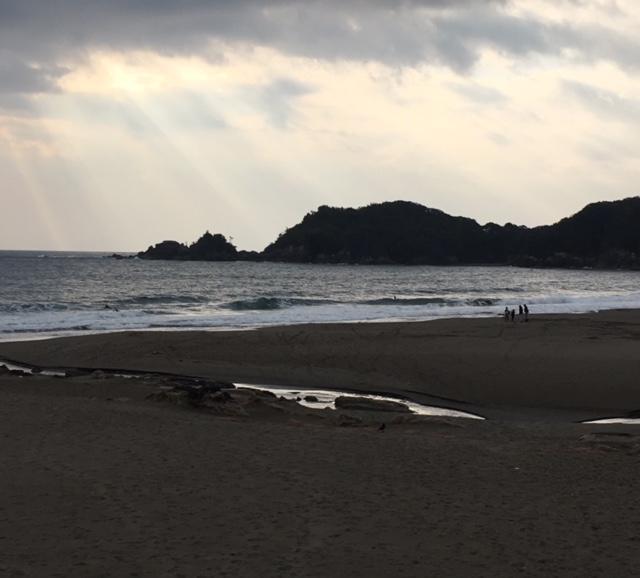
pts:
[25, 369]
[311, 398]
[615, 420]
[326, 400]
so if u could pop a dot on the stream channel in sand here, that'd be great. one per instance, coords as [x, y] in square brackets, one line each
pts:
[311, 398]
[319, 398]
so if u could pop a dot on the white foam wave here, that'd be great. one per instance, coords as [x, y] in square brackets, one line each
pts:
[55, 321]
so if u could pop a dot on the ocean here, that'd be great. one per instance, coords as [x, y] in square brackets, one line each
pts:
[50, 294]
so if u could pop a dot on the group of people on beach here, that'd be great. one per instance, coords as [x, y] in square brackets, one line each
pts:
[523, 313]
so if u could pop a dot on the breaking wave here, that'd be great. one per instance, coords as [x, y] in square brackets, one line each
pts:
[91, 294]
[430, 301]
[33, 307]
[276, 303]
[272, 303]
[160, 299]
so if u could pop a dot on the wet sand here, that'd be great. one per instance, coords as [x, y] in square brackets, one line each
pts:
[585, 364]
[99, 480]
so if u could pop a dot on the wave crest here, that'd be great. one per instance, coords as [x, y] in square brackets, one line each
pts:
[32, 307]
[160, 299]
[273, 303]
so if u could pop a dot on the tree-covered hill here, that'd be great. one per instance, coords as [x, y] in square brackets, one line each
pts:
[605, 234]
[602, 235]
[394, 232]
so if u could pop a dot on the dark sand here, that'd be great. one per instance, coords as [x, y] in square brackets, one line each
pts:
[97, 480]
[587, 364]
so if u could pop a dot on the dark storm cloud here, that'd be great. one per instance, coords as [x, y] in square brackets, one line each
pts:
[37, 35]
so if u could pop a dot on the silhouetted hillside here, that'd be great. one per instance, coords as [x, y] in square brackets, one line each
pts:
[605, 234]
[395, 232]
[602, 235]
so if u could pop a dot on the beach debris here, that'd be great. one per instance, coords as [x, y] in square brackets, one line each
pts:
[382, 427]
[368, 404]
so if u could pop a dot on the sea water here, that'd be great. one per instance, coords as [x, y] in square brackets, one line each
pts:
[44, 294]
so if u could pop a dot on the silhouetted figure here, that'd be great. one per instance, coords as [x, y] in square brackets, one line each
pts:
[526, 312]
[513, 315]
[507, 314]
[520, 311]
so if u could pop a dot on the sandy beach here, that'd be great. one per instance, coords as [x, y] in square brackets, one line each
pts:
[586, 364]
[100, 479]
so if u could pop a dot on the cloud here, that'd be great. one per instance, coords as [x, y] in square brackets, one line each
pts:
[483, 95]
[19, 78]
[390, 30]
[604, 103]
[15, 105]
[40, 41]
[499, 139]
[278, 99]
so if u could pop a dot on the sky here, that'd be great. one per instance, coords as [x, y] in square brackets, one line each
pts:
[125, 123]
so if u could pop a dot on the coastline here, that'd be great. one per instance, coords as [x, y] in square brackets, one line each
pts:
[100, 479]
[584, 363]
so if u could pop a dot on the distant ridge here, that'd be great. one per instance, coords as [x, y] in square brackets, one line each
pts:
[602, 235]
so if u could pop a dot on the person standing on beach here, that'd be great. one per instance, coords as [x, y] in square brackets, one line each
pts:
[507, 314]
[526, 312]
[513, 315]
